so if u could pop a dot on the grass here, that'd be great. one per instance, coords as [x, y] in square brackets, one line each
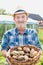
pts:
[40, 33]
[41, 60]
[2, 59]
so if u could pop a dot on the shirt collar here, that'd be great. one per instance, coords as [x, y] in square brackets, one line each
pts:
[17, 32]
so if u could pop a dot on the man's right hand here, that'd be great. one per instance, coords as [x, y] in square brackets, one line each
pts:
[8, 54]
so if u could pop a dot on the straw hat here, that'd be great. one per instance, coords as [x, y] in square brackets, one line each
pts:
[19, 10]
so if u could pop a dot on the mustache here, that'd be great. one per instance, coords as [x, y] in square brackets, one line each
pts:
[21, 25]
[21, 21]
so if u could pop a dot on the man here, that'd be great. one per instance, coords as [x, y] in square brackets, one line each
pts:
[19, 35]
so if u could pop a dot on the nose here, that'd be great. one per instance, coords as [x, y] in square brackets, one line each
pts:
[21, 20]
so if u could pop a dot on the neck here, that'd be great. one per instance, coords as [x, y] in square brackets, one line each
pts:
[21, 30]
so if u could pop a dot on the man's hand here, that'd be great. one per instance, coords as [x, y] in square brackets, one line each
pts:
[40, 51]
[8, 54]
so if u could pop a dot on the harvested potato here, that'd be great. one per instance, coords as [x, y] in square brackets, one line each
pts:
[28, 54]
[20, 57]
[26, 57]
[15, 57]
[35, 53]
[21, 52]
[19, 48]
[32, 54]
[26, 49]
[32, 50]
[14, 52]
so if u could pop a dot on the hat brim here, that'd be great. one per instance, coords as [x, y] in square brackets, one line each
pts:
[20, 13]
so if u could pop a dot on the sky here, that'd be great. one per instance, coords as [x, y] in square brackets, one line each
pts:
[31, 6]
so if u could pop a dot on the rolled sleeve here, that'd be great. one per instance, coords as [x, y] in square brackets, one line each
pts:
[4, 42]
[37, 41]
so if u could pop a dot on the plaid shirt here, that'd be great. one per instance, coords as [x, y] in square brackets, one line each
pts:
[14, 38]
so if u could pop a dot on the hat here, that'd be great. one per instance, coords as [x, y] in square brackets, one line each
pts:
[20, 10]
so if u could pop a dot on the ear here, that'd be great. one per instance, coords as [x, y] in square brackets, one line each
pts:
[27, 17]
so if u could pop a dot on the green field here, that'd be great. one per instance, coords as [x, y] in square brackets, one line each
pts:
[40, 33]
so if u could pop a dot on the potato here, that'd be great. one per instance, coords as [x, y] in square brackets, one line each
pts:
[33, 53]
[21, 57]
[15, 57]
[28, 54]
[19, 48]
[32, 50]
[14, 52]
[26, 49]
[21, 52]
[26, 57]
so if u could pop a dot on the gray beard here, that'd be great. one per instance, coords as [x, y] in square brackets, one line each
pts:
[21, 25]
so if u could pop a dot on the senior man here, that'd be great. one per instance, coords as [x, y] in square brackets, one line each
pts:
[20, 35]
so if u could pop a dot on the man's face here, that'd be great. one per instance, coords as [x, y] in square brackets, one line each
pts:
[21, 20]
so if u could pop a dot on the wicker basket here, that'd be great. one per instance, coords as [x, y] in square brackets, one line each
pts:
[31, 61]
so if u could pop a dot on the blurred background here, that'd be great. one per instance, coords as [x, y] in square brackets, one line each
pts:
[35, 19]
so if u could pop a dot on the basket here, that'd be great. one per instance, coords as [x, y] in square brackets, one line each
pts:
[31, 61]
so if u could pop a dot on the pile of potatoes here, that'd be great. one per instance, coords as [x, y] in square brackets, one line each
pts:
[23, 53]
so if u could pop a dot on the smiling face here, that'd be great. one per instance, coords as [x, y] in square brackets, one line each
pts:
[21, 20]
